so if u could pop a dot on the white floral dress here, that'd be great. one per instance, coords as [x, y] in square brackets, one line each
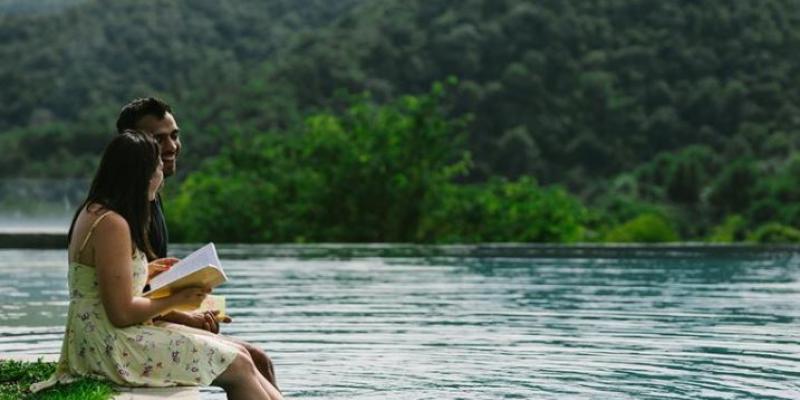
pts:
[139, 355]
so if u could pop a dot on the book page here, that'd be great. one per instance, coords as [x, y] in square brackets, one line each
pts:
[201, 258]
[208, 277]
[211, 303]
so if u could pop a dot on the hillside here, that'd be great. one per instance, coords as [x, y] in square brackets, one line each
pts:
[562, 91]
[687, 109]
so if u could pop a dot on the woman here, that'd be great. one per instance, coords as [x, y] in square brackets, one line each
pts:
[109, 333]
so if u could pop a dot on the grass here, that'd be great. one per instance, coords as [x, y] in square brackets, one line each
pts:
[17, 376]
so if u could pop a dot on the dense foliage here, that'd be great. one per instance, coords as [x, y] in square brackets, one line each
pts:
[372, 174]
[65, 75]
[679, 116]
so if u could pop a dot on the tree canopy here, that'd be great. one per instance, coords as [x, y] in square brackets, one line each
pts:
[681, 110]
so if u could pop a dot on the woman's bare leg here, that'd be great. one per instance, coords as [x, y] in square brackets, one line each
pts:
[273, 392]
[241, 380]
[261, 360]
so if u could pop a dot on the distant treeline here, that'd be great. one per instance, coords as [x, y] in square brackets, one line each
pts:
[659, 120]
[390, 173]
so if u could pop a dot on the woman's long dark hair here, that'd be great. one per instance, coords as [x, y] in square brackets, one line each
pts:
[122, 182]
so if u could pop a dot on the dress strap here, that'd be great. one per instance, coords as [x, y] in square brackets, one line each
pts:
[91, 230]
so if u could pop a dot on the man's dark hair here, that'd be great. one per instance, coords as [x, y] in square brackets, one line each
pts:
[133, 112]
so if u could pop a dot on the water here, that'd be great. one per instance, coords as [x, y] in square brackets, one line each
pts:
[38, 205]
[389, 323]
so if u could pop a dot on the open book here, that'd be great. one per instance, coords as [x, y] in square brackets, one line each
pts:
[201, 268]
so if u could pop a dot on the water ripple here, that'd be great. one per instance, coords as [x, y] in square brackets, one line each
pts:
[397, 322]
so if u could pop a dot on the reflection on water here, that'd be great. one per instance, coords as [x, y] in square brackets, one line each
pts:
[399, 326]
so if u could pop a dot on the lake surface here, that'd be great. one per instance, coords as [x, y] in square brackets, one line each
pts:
[376, 322]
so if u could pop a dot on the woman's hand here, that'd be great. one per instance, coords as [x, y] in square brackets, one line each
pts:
[156, 267]
[190, 297]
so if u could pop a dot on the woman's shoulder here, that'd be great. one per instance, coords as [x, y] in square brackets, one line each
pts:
[108, 221]
[112, 234]
[99, 228]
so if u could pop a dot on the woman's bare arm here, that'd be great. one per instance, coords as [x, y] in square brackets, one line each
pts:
[114, 266]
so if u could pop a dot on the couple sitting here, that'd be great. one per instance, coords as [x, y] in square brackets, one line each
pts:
[117, 241]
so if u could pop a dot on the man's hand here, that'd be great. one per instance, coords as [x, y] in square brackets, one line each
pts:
[206, 320]
[156, 267]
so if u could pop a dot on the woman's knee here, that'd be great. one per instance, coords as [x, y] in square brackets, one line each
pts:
[256, 352]
[241, 366]
[244, 353]
[244, 360]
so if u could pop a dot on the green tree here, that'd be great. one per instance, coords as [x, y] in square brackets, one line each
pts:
[733, 190]
[503, 211]
[773, 233]
[646, 228]
[733, 229]
[362, 176]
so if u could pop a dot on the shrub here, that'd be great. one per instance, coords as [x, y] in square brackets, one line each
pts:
[733, 229]
[503, 211]
[775, 233]
[646, 228]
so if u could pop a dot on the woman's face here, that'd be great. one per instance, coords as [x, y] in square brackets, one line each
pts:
[155, 181]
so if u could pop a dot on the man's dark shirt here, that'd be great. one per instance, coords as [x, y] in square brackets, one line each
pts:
[157, 232]
[158, 229]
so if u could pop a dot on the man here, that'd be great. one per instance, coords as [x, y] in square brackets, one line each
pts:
[155, 117]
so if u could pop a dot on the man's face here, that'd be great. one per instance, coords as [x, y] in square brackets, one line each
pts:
[167, 134]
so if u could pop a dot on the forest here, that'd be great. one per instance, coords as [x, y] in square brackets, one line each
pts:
[427, 121]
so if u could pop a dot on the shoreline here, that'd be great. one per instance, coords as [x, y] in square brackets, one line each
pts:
[33, 239]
